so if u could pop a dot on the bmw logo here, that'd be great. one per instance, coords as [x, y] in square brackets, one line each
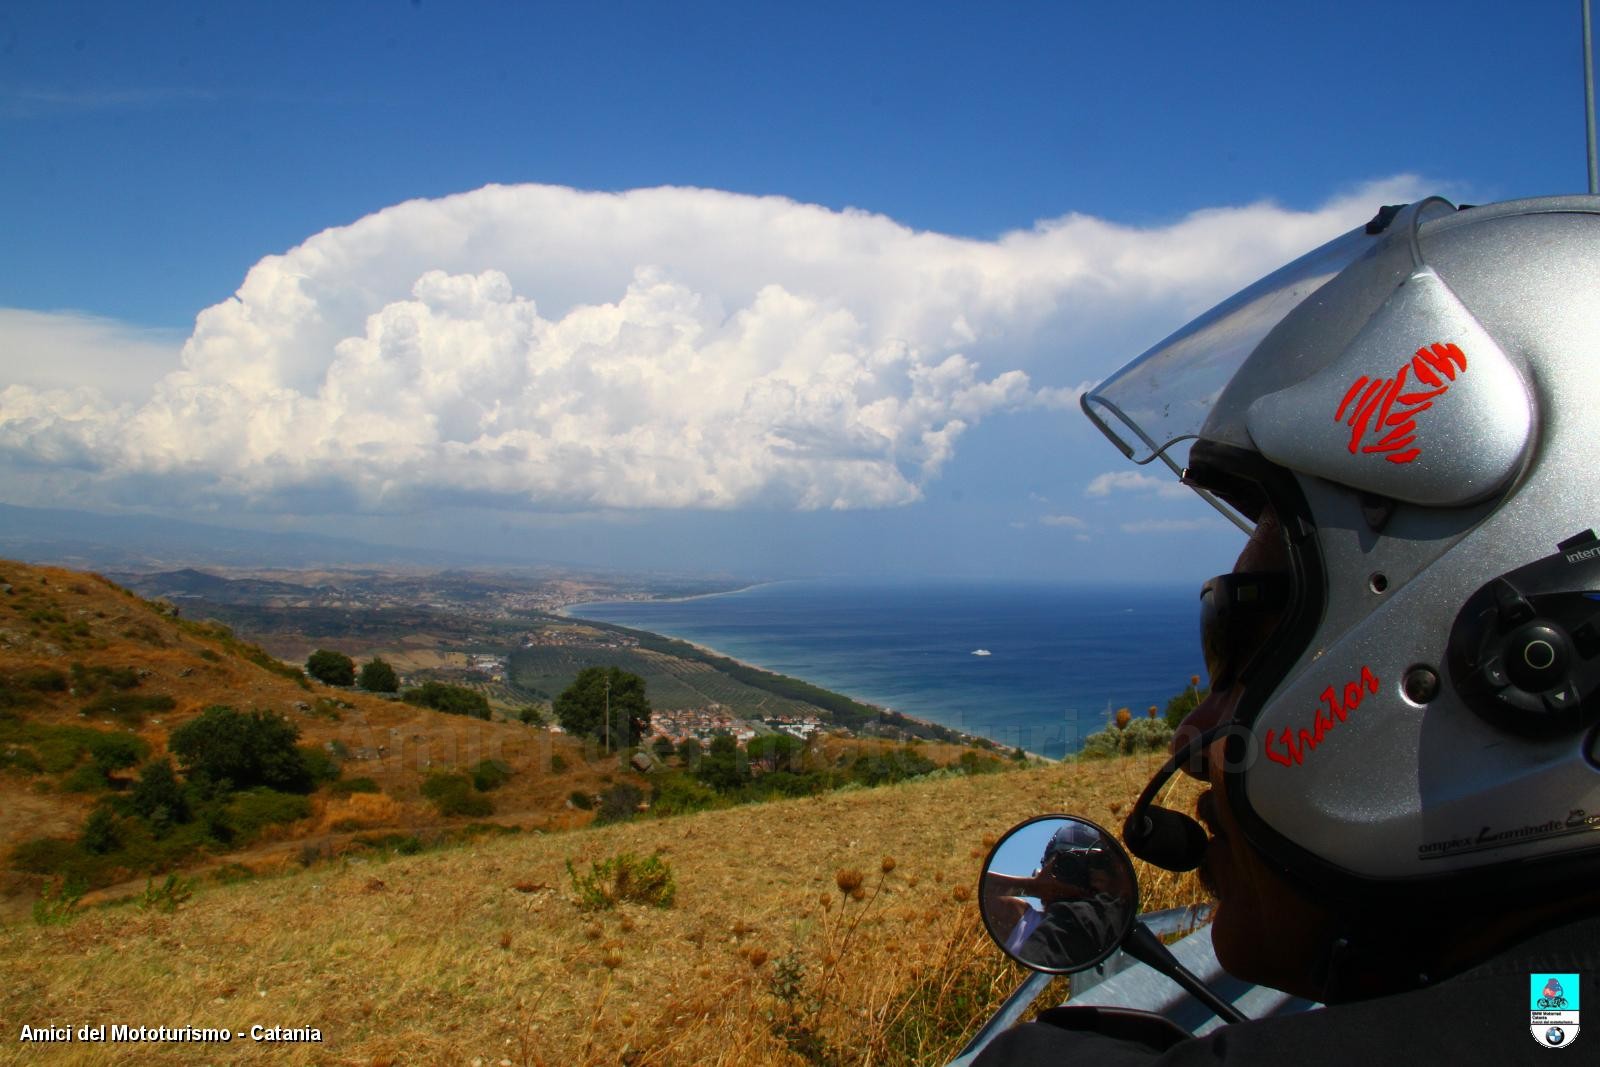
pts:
[1555, 1035]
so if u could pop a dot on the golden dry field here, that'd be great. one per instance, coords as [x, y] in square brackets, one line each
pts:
[481, 952]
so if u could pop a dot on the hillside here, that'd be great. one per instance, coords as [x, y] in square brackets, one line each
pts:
[481, 954]
[94, 680]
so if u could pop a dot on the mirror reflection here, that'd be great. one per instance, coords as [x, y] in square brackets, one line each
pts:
[1058, 894]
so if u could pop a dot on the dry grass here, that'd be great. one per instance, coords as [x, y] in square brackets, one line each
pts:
[838, 929]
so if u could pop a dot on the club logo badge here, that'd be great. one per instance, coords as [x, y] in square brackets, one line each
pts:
[1553, 1008]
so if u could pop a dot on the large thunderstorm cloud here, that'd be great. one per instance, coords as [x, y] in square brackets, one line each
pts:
[550, 348]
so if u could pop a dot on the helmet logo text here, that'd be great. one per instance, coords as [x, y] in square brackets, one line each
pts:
[1378, 408]
[1292, 745]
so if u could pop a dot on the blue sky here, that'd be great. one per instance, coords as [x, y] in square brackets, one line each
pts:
[846, 341]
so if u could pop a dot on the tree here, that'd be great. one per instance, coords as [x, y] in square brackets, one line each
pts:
[230, 750]
[379, 677]
[450, 699]
[773, 751]
[663, 748]
[605, 703]
[334, 668]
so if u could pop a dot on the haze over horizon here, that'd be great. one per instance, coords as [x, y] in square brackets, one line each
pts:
[714, 289]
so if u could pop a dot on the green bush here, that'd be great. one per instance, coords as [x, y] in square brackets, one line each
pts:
[346, 786]
[158, 798]
[319, 764]
[619, 803]
[625, 878]
[680, 794]
[99, 834]
[490, 774]
[452, 794]
[256, 809]
[451, 699]
[88, 681]
[531, 716]
[85, 778]
[334, 668]
[581, 800]
[43, 855]
[127, 708]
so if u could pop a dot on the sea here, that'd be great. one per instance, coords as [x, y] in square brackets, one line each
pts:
[1030, 665]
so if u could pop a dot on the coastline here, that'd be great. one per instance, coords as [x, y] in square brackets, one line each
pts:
[565, 612]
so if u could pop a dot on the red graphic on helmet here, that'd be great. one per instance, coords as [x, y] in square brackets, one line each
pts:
[1379, 409]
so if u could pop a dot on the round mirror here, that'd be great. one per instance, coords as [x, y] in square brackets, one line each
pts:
[1058, 894]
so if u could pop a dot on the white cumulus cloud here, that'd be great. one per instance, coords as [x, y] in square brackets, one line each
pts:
[550, 348]
[1137, 481]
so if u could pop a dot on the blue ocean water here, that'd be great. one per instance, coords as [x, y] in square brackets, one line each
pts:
[1061, 657]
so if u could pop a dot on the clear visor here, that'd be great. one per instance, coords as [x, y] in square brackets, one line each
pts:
[1165, 396]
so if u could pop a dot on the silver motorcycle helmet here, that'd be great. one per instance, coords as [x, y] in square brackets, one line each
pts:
[1418, 402]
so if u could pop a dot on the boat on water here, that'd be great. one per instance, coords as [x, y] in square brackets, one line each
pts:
[981, 652]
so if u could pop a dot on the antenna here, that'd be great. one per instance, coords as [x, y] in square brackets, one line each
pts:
[1588, 100]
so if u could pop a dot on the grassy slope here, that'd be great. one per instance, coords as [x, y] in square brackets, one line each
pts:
[481, 952]
[52, 618]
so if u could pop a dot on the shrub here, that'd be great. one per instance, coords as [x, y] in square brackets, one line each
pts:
[319, 763]
[378, 677]
[558, 763]
[680, 794]
[41, 680]
[581, 800]
[90, 680]
[252, 811]
[127, 708]
[450, 699]
[531, 715]
[490, 774]
[334, 668]
[43, 855]
[618, 803]
[624, 878]
[157, 796]
[99, 835]
[1146, 735]
[347, 786]
[86, 778]
[1101, 745]
[452, 794]
[165, 897]
[58, 902]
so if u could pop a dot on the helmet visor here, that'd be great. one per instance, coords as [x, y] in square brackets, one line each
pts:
[1165, 395]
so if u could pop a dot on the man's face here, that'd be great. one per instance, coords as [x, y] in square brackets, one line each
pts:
[1265, 930]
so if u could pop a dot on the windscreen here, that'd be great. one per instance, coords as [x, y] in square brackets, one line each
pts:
[1165, 395]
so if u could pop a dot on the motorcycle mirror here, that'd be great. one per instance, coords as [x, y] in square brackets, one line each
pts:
[1058, 894]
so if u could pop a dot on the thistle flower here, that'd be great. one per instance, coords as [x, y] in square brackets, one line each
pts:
[888, 864]
[858, 893]
[962, 893]
[848, 879]
[1123, 717]
[1152, 711]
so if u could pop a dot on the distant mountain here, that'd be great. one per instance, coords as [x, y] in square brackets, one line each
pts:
[89, 540]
